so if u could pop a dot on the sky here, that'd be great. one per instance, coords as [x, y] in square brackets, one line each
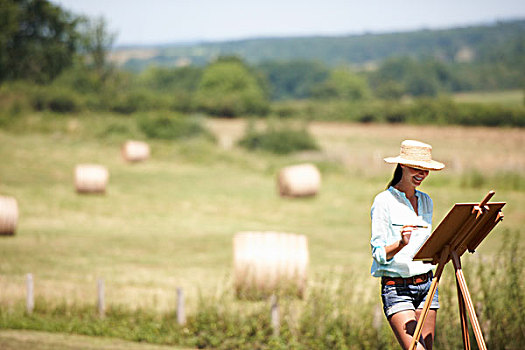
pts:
[150, 22]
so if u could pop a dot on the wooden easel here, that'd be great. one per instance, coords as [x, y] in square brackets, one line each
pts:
[464, 227]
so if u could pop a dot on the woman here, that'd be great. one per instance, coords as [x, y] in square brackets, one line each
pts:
[401, 222]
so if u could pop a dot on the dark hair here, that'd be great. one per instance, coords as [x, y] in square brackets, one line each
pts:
[398, 174]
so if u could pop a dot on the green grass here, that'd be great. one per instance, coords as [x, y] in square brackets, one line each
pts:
[30, 340]
[335, 314]
[170, 221]
[508, 98]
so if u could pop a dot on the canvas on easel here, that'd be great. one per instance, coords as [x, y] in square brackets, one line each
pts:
[464, 227]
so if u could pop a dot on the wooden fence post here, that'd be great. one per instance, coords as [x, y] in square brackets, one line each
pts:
[100, 299]
[275, 319]
[30, 300]
[181, 314]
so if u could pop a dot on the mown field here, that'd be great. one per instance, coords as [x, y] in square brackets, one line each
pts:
[508, 98]
[169, 222]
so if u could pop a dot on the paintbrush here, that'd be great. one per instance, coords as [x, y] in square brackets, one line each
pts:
[418, 226]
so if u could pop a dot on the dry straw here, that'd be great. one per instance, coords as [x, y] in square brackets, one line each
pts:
[135, 151]
[266, 262]
[299, 180]
[8, 215]
[91, 178]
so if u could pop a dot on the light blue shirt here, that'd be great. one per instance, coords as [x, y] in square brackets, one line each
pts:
[393, 207]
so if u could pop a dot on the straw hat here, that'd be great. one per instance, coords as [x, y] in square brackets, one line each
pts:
[416, 154]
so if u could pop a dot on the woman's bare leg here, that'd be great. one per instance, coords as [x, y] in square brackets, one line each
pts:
[404, 324]
[429, 327]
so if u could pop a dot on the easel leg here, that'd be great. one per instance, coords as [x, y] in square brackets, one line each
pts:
[463, 318]
[468, 301]
[426, 306]
[432, 291]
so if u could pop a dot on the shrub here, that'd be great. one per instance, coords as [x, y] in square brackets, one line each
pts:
[63, 103]
[14, 100]
[5, 119]
[440, 111]
[182, 101]
[58, 100]
[80, 80]
[138, 100]
[280, 139]
[171, 127]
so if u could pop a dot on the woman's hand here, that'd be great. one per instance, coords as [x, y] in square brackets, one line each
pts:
[406, 233]
[393, 249]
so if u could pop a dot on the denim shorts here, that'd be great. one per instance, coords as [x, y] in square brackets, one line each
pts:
[406, 296]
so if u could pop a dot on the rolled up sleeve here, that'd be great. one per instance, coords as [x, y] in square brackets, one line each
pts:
[380, 224]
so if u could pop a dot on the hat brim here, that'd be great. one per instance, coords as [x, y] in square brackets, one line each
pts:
[425, 165]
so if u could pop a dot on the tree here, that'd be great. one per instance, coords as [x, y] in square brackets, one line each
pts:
[38, 40]
[421, 83]
[293, 79]
[343, 84]
[390, 90]
[394, 69]
[418, 78]
[228, 88]
[96, 42]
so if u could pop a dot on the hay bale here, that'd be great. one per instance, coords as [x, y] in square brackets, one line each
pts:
[8, 215]
[91, 178]
[135, 151]
[299, 180]
[265, 262]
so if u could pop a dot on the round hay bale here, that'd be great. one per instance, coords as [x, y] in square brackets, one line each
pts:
[8, 215]
[265, 262]
[299, 180]
[135, 151]
[91, 178]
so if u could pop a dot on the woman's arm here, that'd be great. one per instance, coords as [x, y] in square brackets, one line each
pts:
[393, 249]
[380, 222]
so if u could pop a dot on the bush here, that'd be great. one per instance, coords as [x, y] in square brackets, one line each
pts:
[440, 111]
[80, 80]
[280, 139]
[172, 127]
[14, 99]
[182, 101]
[445, 111]
[139, 100]
[58, 100]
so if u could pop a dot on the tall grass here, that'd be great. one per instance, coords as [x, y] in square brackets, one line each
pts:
[336, 314]
[501, 293]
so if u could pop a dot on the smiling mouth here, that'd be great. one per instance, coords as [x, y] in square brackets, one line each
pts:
[418, 179]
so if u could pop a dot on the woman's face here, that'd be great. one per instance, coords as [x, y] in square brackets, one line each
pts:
[413, 176]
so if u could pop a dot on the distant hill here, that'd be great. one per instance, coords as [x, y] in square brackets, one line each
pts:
[465, 44]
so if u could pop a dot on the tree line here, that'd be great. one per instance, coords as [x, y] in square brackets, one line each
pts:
[59, 61]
